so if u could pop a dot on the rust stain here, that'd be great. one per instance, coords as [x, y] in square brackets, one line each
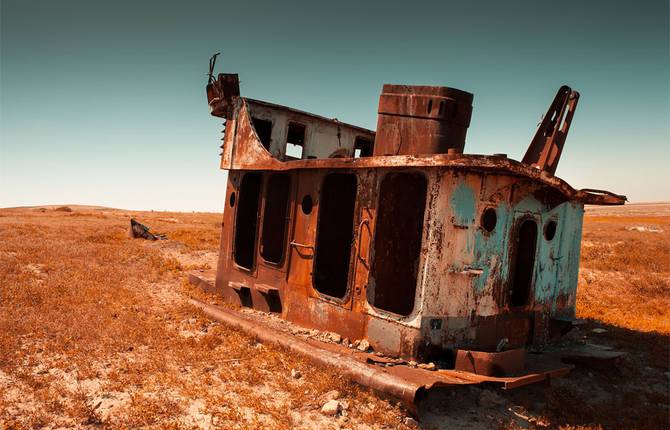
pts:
[398, 237]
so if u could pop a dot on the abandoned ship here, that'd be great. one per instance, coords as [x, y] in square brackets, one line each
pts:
[399, 238]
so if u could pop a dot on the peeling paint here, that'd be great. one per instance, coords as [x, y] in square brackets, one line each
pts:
[463, 272]
[492, 250]
[463, 204]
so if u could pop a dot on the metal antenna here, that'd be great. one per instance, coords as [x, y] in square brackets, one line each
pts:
[212, 62]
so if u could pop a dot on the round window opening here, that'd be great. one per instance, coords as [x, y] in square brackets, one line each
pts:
[550, 230]
[489, 219]
[307, 204]
[231, 201]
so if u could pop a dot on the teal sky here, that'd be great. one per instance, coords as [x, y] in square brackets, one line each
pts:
[104, 103]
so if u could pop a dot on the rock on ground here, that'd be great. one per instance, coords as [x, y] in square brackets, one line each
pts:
[364, 345]
[331, 407]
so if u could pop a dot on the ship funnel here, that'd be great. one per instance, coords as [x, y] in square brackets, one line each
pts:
[415, 120]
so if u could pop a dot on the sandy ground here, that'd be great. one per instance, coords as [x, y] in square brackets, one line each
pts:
[96, 332]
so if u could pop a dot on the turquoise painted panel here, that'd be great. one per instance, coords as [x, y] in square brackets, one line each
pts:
[492, 250]
[463, 204]
[568, 268]
[529, 204]
[556, 262]
[548, 256]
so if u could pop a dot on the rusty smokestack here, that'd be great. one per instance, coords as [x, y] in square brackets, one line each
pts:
[415, 120]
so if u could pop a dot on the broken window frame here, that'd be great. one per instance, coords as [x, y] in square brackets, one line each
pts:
[360, 147]
[425, 220]
[287, 218]
[353, 247]
[254, 120]
[288, 157]
[238, 205]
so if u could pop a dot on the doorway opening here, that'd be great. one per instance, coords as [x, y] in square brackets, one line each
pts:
[246, 220]
[334, 237]
[275, 217]
[524, 263]
[397, 245]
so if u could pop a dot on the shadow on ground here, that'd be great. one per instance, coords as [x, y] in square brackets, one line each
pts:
[631, 392]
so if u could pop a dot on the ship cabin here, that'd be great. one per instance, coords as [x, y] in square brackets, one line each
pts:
[397, 236]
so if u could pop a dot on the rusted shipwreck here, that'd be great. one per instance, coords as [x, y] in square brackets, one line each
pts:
[399, 238]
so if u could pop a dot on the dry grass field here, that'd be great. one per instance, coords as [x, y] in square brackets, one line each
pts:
[96, 332]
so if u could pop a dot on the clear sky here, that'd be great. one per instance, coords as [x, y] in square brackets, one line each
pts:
[104, 102]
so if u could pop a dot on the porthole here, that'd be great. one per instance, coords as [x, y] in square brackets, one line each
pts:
[550, 230]
[231, 200]
[307, 204]
[489, 219]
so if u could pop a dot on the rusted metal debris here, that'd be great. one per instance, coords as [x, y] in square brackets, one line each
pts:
[398, 237]
[547, 145]
[406, 383]
[141, 231]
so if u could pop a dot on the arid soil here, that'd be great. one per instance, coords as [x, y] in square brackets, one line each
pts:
[96, 332]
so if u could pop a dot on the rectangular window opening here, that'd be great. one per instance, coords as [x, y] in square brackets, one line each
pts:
[246, 220]
[275, 217]
[362, 147]
[335, 232]
[263, 129]
[295, 141]
[397, 244]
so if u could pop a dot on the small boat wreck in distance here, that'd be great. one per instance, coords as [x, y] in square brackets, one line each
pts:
[398, 238]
